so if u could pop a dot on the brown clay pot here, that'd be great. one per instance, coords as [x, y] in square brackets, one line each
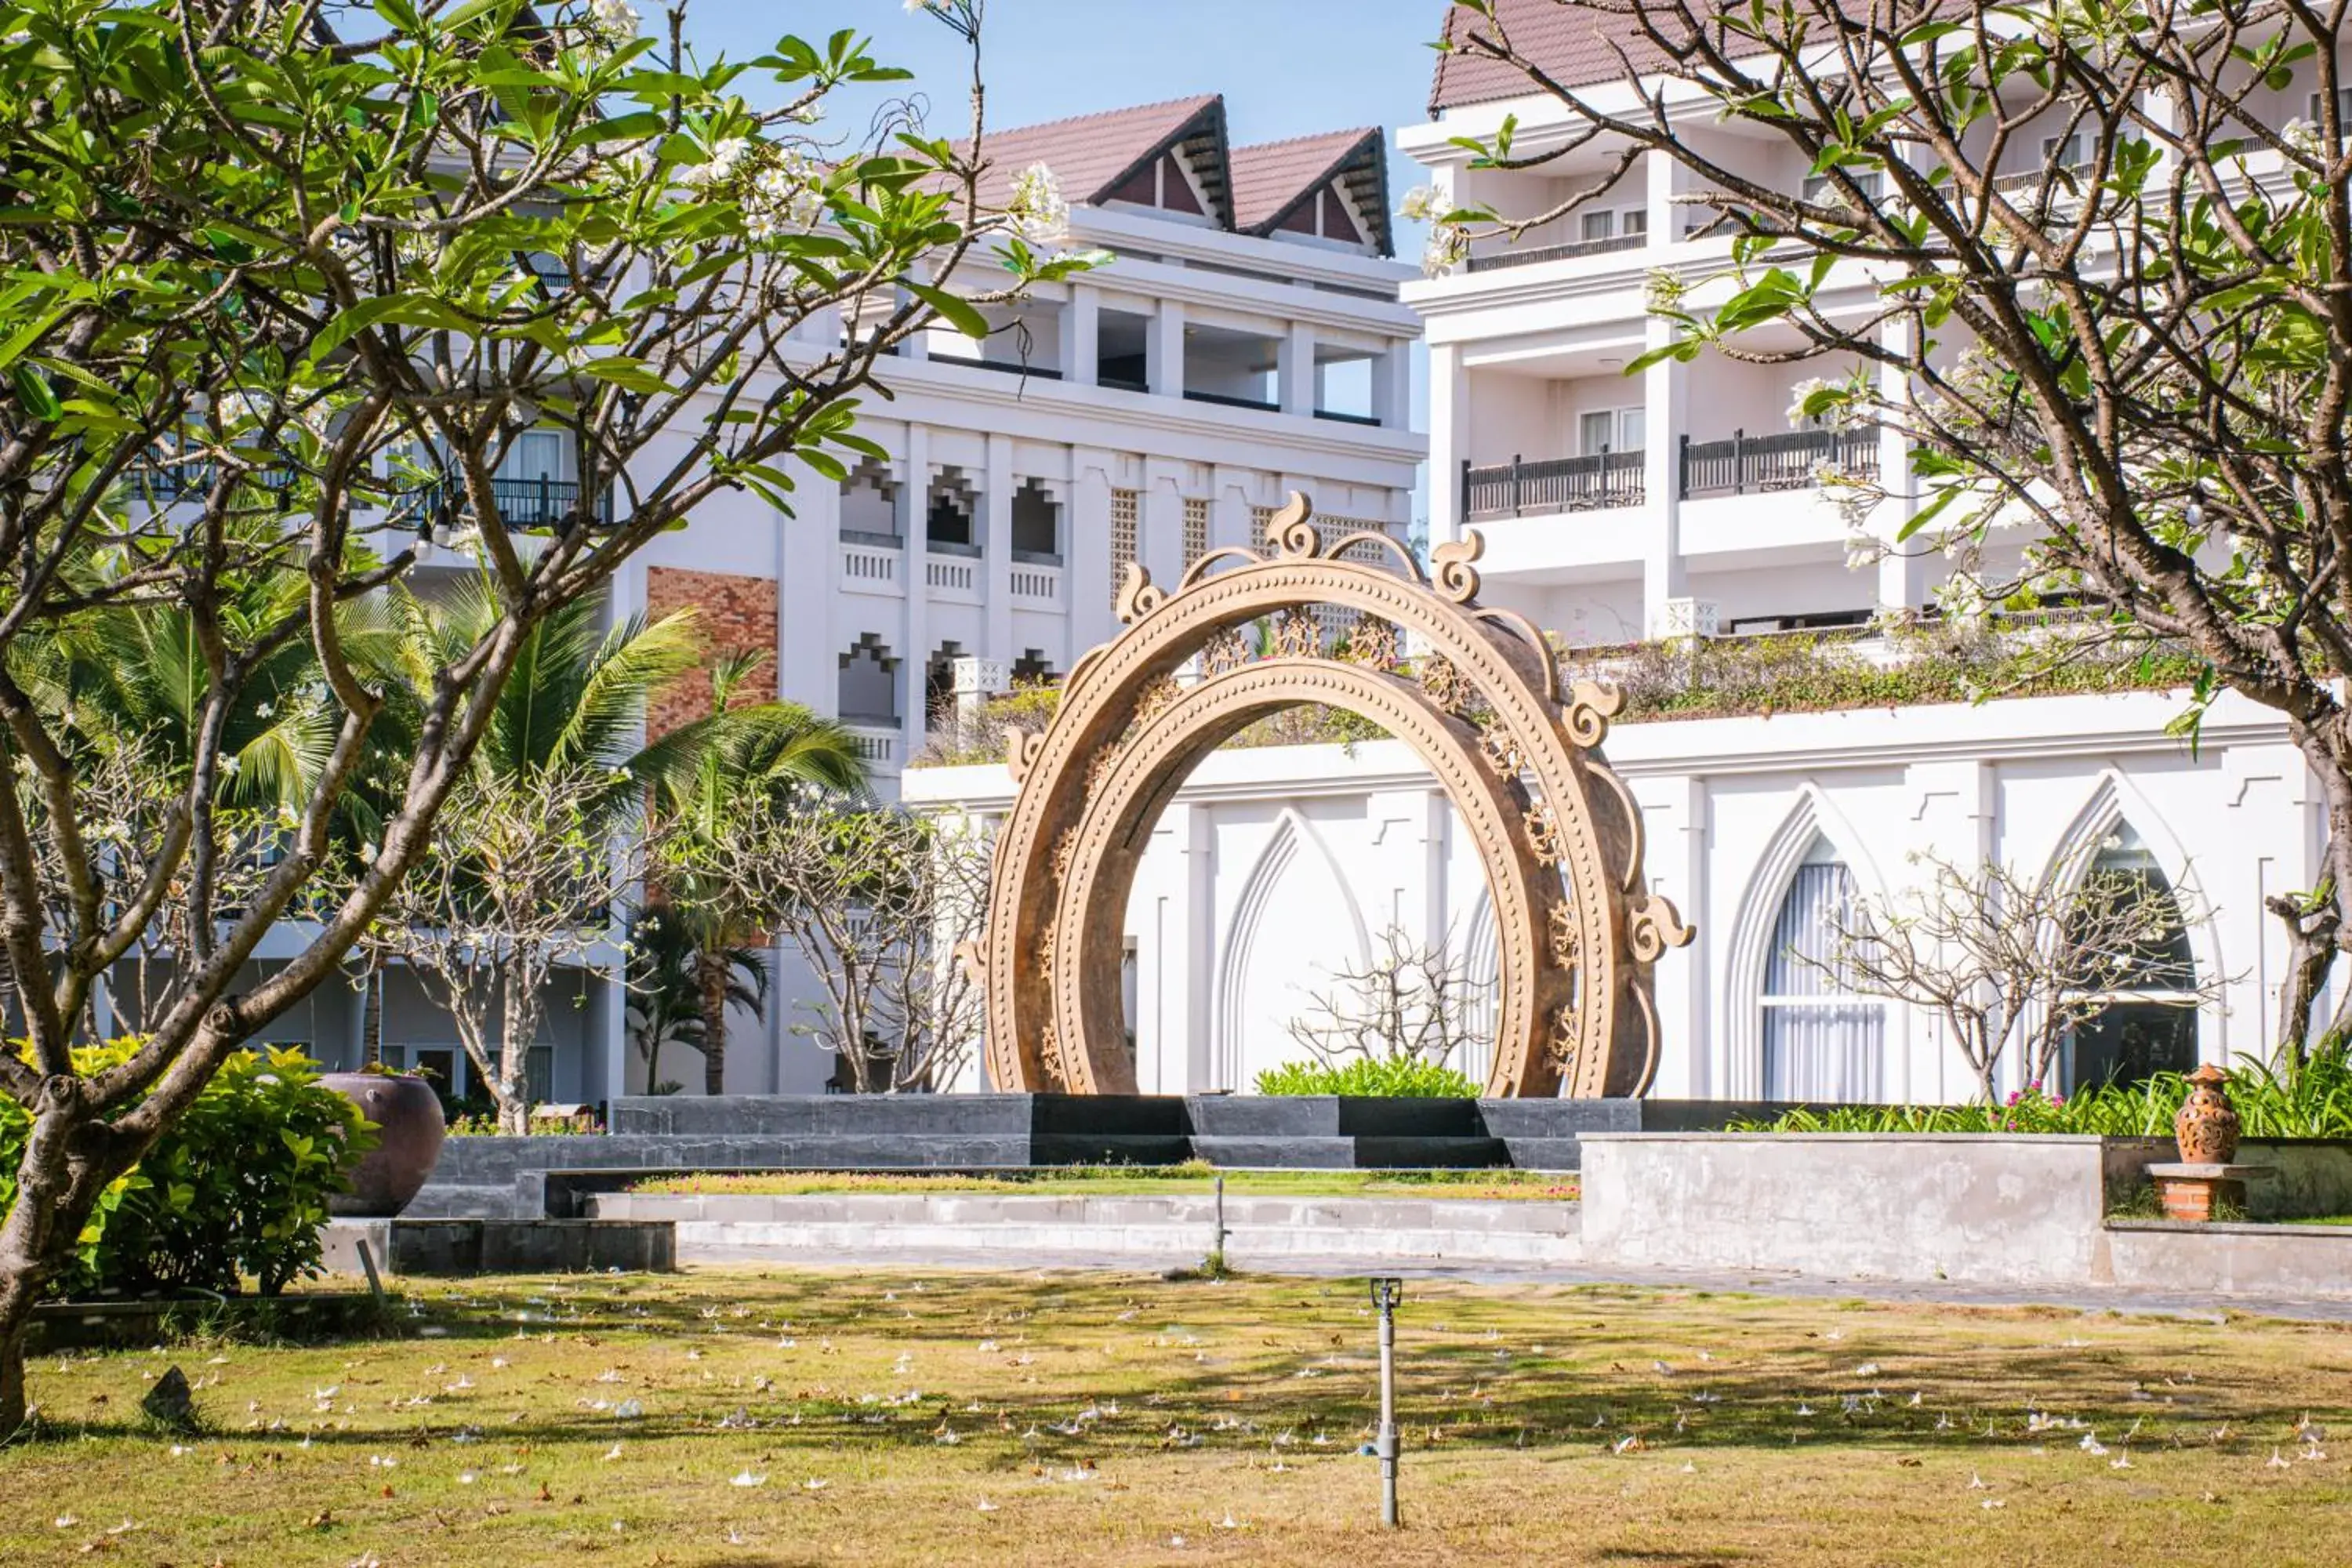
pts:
[2207, 1127]
[410, 1128]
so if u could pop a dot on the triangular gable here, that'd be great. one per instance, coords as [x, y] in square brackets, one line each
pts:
[1098, 158]
[1297, 187]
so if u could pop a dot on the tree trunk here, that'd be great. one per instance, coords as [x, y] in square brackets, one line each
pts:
[2312, 936]
[52, 1203]
[371, 1020]
[710, 980]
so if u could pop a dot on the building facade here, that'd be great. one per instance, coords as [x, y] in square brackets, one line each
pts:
[1245, 341]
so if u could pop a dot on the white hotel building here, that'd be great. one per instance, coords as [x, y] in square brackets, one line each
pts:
[1246, 340]
[1680, 500]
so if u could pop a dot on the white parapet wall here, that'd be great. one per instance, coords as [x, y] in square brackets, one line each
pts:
[1991, 1210]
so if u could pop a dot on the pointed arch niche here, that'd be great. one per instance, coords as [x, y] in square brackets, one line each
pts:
[1791, 1032]
[2148, 1027]
[1280, 940]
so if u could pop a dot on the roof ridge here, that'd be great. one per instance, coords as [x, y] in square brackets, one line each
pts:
[1193, 101]
[1358, 132]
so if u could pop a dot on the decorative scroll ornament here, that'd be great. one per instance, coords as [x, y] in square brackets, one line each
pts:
[1558, 837]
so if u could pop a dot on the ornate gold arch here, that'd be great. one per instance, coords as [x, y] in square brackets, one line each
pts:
[1576, 932]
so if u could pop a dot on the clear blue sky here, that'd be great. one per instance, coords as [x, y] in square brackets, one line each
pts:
[1287, 67]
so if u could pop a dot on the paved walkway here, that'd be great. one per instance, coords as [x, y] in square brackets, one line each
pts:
[2181, 1304]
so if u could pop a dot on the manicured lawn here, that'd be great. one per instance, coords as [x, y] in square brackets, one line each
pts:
[727, 1417]
[1190, 1180]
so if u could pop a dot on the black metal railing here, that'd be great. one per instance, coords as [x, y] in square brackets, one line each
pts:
[1228, 400]
[177, 481]
[1518, 489]
[523, 502]
[1334, 414]
[1529, 255]
[1788, 461]
[1007, 367]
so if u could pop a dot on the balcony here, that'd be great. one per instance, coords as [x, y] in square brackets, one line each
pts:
[877, 739]
[1788, 460]
[1518, 489]
[869, 563]
[1531, 254]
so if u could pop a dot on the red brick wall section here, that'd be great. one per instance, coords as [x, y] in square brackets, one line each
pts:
[732, 614]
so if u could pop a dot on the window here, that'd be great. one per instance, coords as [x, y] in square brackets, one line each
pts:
[2343, 108]
[1610, 430]
[1613, 222]
[2150, 1025]
[1823, 188]
[1821, 1041]
[868, 687]
[1125, 536]
[535, 454]
[2064, 152]
[1196, 530]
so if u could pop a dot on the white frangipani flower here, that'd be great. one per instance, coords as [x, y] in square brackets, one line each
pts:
[1039, 212]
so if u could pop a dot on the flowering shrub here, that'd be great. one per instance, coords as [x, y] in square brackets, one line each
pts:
[238, 1187]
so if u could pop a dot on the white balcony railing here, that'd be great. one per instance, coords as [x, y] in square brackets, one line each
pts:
[953, 578]
[1037, 584]
[877, 745]
[871, 569]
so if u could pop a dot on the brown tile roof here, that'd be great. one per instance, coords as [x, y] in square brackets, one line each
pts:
[1574, 43]
[1272, 178]
[1091, 154]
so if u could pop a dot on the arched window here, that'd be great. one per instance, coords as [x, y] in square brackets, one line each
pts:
[2149, 1023]
[1821, 1041]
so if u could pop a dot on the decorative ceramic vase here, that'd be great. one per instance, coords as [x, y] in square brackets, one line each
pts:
[2207, 1127]
[410, 1128]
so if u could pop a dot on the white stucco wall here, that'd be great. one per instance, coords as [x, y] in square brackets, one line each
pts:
[1272, 865]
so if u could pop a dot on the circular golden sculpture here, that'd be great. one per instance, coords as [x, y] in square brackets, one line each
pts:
[1576, 931]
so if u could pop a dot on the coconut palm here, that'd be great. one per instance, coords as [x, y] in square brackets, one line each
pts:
[705, 777]
[665, 996]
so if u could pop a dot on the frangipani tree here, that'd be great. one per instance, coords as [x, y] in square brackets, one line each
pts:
[280, 298]
[2093, 259]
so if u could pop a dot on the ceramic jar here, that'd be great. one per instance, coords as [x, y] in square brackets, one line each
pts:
[2207, 1127]
[410, 1128]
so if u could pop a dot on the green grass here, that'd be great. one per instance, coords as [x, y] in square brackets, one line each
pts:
[1192, 1179]
[1102, 1419]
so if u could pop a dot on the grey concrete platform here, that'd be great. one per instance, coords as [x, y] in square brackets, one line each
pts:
[458, 1247]
[522, 1178]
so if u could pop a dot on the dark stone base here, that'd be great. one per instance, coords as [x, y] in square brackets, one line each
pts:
[526, 1178]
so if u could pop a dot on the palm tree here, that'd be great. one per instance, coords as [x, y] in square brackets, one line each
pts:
[704, 777]
[665, 997]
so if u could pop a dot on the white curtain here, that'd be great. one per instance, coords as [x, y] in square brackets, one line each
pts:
[1821, 1043]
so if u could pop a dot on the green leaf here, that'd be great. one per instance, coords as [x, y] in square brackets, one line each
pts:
[961, 314]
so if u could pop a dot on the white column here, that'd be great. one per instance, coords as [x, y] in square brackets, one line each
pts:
[1666, 400]
[1297, 382]
[1161, 548]
[1664, 219]
[1903, 567]
[1163, 351]
[809, 562]
[1449, 440]
[1392, 387]
[914, 501]
[1664, 389]
[1088, 577]
[996, 540]
[1082, 334]
[1196, 838]
[1229, 510]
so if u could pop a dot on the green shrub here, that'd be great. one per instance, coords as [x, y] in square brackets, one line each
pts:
[2311, 1101]
[238, 1187]
[1402, 1078]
